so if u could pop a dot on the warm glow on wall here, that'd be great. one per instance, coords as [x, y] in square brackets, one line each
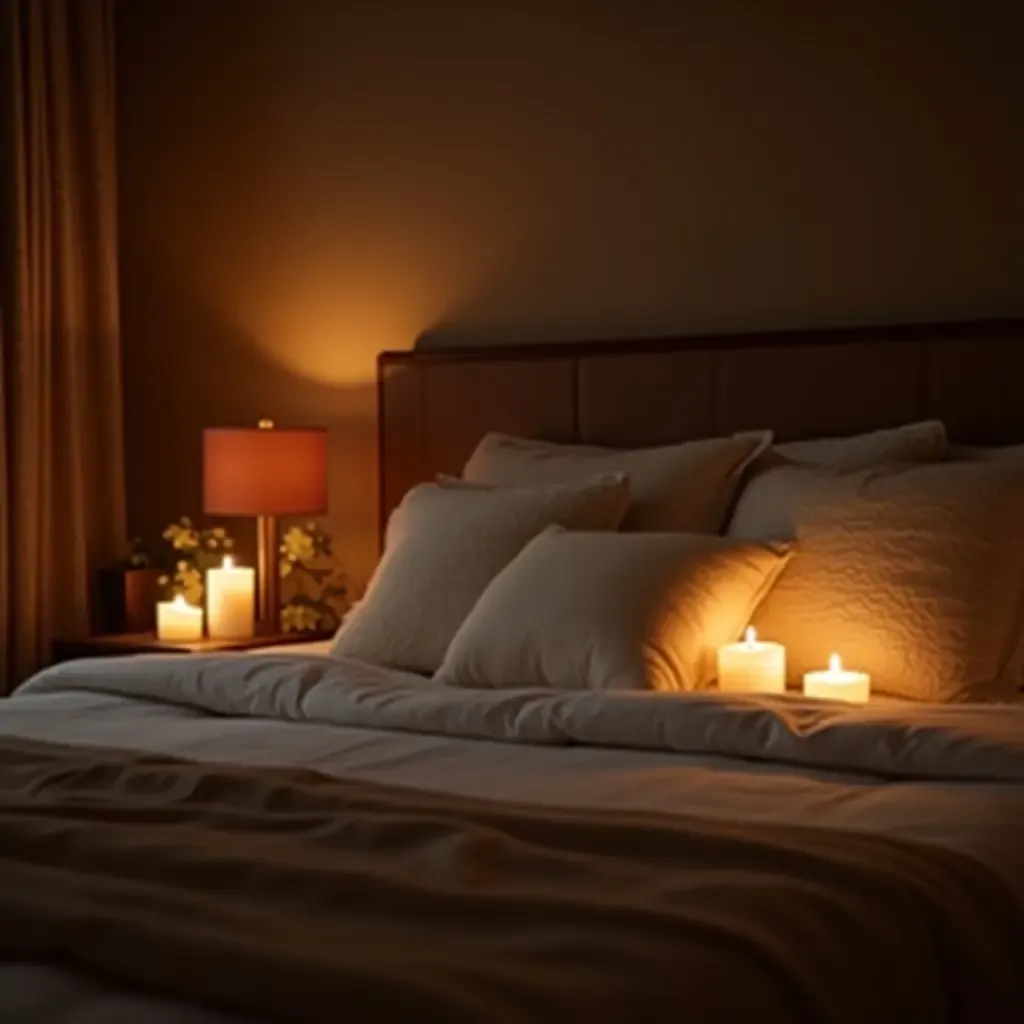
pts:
[322, 309]
[337, 343]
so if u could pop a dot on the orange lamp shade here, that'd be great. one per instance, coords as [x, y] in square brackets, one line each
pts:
[264, 472]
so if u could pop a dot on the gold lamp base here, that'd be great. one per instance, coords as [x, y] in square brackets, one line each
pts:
[268, 602]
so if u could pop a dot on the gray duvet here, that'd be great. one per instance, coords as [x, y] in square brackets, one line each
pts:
[283, 894]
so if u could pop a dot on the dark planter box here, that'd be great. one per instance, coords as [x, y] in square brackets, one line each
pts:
[128, 600]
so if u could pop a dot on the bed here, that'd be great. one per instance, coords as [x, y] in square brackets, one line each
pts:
[291, 835]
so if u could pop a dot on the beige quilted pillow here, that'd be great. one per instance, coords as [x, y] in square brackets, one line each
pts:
[914, 574]
[915, 442]
[444, 546]
[682, 487]
[779, 484]
[612, 611]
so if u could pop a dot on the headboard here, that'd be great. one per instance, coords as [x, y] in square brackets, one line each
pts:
[434, 405]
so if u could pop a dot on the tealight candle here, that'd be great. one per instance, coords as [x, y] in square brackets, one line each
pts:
[230, 601]
[752, 666]
[838, 684]
[178, 622]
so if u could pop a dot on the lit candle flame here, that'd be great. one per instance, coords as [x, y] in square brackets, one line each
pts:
[179, 601]
[835, 663]
[228, 563]
[750, 637]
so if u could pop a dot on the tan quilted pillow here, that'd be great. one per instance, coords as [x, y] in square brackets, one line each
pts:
[776, 482]
[682, 487]
[612, 611]
[915, 442]
[444, 546]
[914, 574]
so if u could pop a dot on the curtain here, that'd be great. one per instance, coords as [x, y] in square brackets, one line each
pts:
[61, 436]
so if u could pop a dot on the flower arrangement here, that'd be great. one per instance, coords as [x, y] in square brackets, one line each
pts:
[193, 551]
[315, 592]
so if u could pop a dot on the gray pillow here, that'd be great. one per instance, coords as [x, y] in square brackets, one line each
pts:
[444, 545]
[612, 611]
[686, 487]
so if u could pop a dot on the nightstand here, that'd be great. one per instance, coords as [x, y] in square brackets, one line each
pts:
[113, 644]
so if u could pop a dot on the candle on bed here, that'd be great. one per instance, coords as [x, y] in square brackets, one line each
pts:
[838, 683]
[752, 666]
[178, 622]
[230, 601]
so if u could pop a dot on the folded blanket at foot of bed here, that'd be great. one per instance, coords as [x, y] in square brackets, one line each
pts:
[291, 896]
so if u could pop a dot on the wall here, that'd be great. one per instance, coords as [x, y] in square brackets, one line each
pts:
[306, 183]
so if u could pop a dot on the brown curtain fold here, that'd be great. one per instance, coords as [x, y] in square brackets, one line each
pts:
[61, 456]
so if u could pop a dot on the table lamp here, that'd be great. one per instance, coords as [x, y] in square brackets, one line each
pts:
[265, 472]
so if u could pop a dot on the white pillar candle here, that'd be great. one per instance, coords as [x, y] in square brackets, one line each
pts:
[838, 684]
[230, 601]
[752, 666]
[178, 622]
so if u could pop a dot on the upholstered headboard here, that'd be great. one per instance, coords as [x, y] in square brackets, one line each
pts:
[435, 405]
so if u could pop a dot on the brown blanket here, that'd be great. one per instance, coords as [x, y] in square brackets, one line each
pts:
[290, 896]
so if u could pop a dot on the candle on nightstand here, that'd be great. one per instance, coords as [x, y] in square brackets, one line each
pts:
[178, 622]
[230, 601]
[838, 683]
[752, 666]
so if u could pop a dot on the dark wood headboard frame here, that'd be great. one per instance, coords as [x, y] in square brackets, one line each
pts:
[434, 404]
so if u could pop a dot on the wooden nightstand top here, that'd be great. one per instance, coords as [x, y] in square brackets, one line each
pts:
[114, 644]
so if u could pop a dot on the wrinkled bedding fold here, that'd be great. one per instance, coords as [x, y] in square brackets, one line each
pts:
[287, 895]
[888, 741]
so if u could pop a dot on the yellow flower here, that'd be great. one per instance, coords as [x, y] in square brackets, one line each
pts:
[298, 545]
[181, 538]
[219, 531]
[164, 580]
[290, 619]
[296, 618]
[228, 542]
[284, 566]
[189, 582]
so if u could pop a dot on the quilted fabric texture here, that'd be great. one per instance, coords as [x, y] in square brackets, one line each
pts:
[770, 507]
[444, 546]
[612, 611]
[914, 574]
[684, 487]
[915, 442]
[779, 484]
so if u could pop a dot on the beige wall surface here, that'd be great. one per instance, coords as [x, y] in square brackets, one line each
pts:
[307, 182]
